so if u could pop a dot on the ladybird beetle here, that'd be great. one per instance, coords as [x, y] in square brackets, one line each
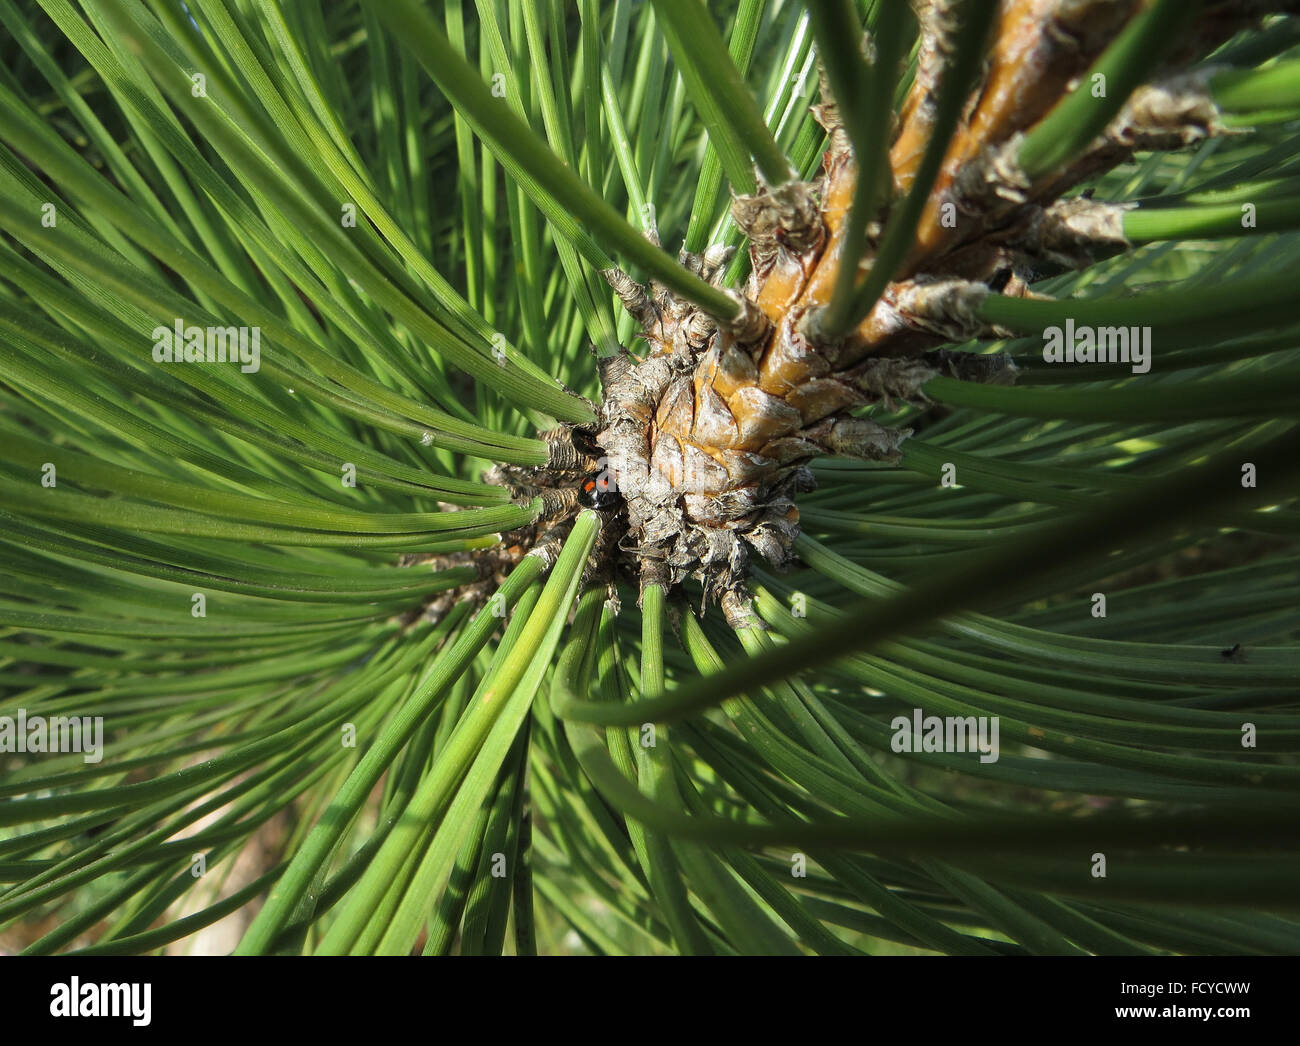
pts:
[598, 492]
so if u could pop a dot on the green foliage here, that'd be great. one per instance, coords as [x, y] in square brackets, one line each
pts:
[436, 333]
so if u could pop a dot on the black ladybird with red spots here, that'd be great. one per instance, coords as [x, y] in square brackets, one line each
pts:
[598, 492]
